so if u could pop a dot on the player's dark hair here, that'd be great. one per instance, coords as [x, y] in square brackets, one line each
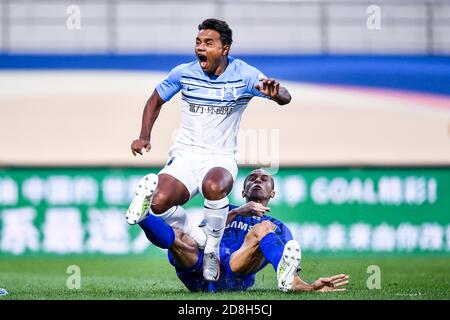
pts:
[226, 35]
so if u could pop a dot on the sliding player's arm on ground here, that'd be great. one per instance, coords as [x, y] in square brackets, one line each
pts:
[327, 284]
[273, 89]
[151, 112]
[251, 208]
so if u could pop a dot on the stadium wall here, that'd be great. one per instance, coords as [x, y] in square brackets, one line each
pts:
[263, 26]
[329, 210]
[346, 110]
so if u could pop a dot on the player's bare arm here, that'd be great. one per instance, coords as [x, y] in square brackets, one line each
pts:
[326, 284]
[151, 112]
[273, 89]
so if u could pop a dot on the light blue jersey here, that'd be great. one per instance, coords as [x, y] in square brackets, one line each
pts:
[212, 106]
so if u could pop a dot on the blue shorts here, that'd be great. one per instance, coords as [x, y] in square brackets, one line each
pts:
[229, 281]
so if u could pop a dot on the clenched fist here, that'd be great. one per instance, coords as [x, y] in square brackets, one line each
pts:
[139, 144]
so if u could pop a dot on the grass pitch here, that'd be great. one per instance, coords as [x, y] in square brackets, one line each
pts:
[418, 277]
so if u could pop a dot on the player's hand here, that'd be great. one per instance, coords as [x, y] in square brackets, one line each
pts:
[139, 144]
[253, 208]
[270, 87]
[330, 284]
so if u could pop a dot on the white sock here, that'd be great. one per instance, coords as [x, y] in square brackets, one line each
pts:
[178, 217]
[216, 212]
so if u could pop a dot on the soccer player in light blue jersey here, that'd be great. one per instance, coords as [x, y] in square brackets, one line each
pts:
[251, 241]
[215, 90]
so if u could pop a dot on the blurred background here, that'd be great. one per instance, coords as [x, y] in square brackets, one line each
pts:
[361, 156]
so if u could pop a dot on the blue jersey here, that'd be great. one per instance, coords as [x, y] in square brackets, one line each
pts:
[211, 106]
[232, 240]
[236, 230]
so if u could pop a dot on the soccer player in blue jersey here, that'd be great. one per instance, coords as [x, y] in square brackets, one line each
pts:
[215, 90]
[251, 241]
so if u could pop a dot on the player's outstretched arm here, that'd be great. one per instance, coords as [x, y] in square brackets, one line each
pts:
[151, 112]
[273, 89]
[327, 284]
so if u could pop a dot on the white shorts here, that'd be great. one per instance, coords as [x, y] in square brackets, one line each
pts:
[191, 168]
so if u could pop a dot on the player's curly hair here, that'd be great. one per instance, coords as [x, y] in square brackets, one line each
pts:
[226, 35]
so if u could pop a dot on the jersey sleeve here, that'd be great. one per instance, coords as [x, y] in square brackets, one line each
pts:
[171, 84]
[253, 77]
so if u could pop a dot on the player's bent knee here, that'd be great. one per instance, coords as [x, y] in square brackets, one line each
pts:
[260, 230]
[214, 190]
[160, 203]
[217, 183]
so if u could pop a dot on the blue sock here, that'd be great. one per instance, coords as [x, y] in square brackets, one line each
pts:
[158, 231]
[272, 248]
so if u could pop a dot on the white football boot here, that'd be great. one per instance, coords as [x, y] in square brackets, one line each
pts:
[211, 266]
[289, 265]
[138, 209]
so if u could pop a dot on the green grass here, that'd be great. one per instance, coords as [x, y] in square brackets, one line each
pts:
[418, 277]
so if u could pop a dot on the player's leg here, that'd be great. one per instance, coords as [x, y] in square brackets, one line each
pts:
[163, 196]
[263, 243]
[183, 248]
[216, 185]
[168, 193]
[167, 202]
[185, 251]
[186, 257]
[249, 257]
[171, 187]
[158, 231]
[156, 194]
[184, 254]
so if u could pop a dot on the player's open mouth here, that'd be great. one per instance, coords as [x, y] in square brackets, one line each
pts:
[203, 61]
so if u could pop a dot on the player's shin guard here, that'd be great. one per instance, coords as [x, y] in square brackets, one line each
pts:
[177, 217]
[216, 212]
[272, 248]
[157, 231]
